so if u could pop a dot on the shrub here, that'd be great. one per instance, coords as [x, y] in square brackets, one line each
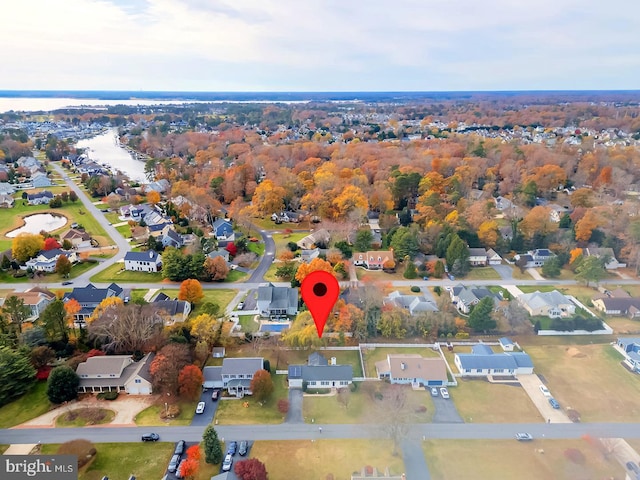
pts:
[283, 405]
[437, 290]
[172, 411]
[83, 449]
[112, 395]
[415, 289]
[462, 335]
[293, 246]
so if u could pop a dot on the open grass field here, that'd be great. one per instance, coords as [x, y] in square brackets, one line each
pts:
[119, 461]
[479, 401]
[316, 460]
[371, 356]
[257, 248]
[112, 217]
[117, 273]
[363, 407]
[31, 405]
[83, 417]
[583, 377]
[234, 412]
[506, 459]
[482, 273]
[151, 416]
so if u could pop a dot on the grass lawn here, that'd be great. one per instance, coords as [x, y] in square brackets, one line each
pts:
[124, 230]
[83, 417]
[120, 460]
[282, 239]
[316, 460]
[138, 293]
[151, 416]
[484, 460]
[3, 448]
[380, 276]
[623, 325]
[520, 275]
[479, 401]
[235, 276]
[534, 288]
[116, 273]
[31, 405]
[256, 247]
[371, 356]
[112, 217]
[221, 297]
[583, 376]
[248, 324]
[581, 292]
[77, 269]
[233, 412]
[482, 273]
[270, 275]
[363, 407]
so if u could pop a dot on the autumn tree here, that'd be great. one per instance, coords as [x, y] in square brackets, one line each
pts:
[392, 415]
[16, 311]
[104, 305]
[189, 468]
[191, 291]
[63, 266]
[205, 327]
[391, 324]
[586, 225]
[251, 469]
[153, 197]
[72, 307]
[51, 243]
[488, 233]
[216, 268]
[268, 198]
[190, 382]
[262, 385]
[127, 328]
[350, 200]
[315, 264]
[167, 365]
[582, 197]
[538, 221]
[26, 245]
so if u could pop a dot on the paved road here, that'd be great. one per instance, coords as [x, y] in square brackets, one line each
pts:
[267, 258]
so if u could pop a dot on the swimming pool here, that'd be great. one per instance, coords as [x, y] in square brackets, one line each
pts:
[274, 327]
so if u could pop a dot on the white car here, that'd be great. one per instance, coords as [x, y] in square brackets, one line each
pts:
[200, 407]
[545, 391]
[524, 437]
[228, 461]
[444, 392]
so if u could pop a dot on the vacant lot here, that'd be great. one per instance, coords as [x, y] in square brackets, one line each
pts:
[371, 356]
[317, 460]
[30, 405]
[486, 460]
[585, 377]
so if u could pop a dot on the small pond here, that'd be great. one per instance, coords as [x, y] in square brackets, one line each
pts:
[38, 222]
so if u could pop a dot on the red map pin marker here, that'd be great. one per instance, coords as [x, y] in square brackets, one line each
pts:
[320, 292]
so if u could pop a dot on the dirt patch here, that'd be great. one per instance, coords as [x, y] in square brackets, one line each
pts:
[573, 352]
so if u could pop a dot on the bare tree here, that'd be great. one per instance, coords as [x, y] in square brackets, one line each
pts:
[344, 397]
[392, 414]
[126, 328]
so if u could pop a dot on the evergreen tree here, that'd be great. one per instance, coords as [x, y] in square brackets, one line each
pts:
[62, 385]
[457, 250]
[211, 446]
[409, 269]
[480, 318]
[17, 375]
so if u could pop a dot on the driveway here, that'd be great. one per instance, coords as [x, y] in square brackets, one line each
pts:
[531, 384]
[426, 292]
[236, 458]
[505, 271]
[294, 415]
[446, 411]
[414, 462]
[204, 419]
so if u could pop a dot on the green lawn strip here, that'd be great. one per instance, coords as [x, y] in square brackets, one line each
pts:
[248, 324]
[536, 288]
[371, 356]
[31, 405]
[270, 275]
[151, 416]
[518, 275]
[3, 448]
[116, 273]
[482, 273]
[233, 411]
[82, 417]
[138, 293]
[221, 297]
[257, 248]
[479, 401]
[124, 230]
[112, 217]
[583, 376]
[541, 458]
[345, 357]
[323, 459]
[144, 460]
[235, 276]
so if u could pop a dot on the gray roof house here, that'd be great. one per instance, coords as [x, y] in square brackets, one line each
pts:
[413, 369]
[89, 298]
[171, 238]
[478, 257]
[319, 237]
[277, 301]
[482, 362]
[549, 304]
[319, 374]
[629, 306]
[535, 258]
[39, 198]
[413, 303]
[116, 372]
[237, 374]
[630, 348]
[212, 377]
[175, 310]
[465, 297]
[604, 252]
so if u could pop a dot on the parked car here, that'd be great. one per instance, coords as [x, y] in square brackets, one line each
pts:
[524, 437]
[67, 282]
[179, 473]
[444, 392]
[545, 391]
[240, 306]
[150, 437]
[200, 407]
[179, 448]
[243, 447]
[434, 392]
[226, 464]
[173, 464]
[233, 448]
[215, 395]
[554, 403]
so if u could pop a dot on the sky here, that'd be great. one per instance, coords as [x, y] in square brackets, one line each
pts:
[332, 45]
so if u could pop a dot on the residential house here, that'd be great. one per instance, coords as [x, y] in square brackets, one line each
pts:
[277, 301]
[149, 261]
[507, 344]
[503, 203]
[549, 304]
[493, 258]
[7, 188]
[37, 299]
[46, 260]
[115, 373]
[478, 257]
[319, 238]
[7, 201]
[171, 238]
[30, 163]
[40, 198]
[40, 180]
[222, 229]
[556, 212]
[78, 238]
[212, 377]
[606, 253]
[307, 255]
[89, 298]
[464, 297]
[237, 374]
[286, 217]
[373, 260]
[630, 348]
[482, 362]
[629, 306]
[413, 303]
[535, 258]
[318, 373]
[174, 310]
[219, 253]
[412, 369]
[159, 186]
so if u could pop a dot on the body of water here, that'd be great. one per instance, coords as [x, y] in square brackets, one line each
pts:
[105, 149]
[20, 104]
[38, 222]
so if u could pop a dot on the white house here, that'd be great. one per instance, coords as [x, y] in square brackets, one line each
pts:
[478, 257]
[549, 304]
[116, 372]
[493, 258]
[482, 361]
[149, 261]
[318, 373]
[46, 260]
[607, 253]
[413, 303]
[630, 348]
[237, 374]
[39, 198]
[412, 369]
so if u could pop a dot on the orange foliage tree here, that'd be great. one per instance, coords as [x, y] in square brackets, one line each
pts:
[191, 291]
[190, 382]
[315, 264]
[488, 233]
[153, 197]
[586, 225]
[72, 307]
[189, 468]
[575, 254]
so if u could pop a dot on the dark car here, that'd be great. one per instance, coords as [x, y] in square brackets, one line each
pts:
[150, 437]
[215, 395]
[243, 447]
[179, 448]
[233, 448]
[173, 464]
[67, 283]
[633, 467]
